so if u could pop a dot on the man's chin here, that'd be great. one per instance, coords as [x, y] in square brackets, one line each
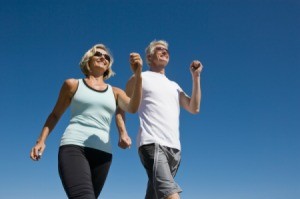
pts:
[165, 61]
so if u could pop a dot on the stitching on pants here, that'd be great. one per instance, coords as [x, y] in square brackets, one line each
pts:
[156, 154]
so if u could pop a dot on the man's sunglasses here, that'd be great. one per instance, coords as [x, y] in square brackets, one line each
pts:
[161, 49]
[99, 54]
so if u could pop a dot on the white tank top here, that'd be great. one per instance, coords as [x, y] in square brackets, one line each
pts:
[91, 115]
[159, 111]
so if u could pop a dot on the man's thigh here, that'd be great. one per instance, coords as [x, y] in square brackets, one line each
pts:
[160, 163]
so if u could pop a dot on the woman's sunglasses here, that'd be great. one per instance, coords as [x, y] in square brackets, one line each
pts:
[99, 54]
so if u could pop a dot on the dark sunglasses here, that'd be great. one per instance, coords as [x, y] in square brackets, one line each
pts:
[161, 49]
[99, 54]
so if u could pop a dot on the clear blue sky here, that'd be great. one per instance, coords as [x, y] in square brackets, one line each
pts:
[245, 143]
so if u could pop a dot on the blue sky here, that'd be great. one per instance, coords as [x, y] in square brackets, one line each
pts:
[244, 144]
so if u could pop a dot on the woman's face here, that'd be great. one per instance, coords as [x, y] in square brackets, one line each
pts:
[100, 60]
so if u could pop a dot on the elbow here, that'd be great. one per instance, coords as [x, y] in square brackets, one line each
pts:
[132, 109]
[54, 116]
[135, 110]
[193, 107]
[195, 111]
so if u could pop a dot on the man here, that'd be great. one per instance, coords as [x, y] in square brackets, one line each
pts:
[158, 137]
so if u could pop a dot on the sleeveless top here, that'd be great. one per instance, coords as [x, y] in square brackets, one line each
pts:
[91, 115]
[159, 111]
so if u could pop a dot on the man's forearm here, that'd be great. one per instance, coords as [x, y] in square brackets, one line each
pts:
[196, 95]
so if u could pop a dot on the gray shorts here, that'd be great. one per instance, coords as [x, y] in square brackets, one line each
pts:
[161, 164]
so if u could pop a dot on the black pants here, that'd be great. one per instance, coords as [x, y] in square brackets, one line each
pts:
[83, 171]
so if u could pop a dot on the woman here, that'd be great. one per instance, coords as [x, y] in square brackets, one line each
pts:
[85, 150]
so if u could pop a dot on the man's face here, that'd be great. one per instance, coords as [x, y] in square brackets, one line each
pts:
[160, 56]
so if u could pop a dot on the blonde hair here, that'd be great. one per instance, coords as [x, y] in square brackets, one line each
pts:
[84, 63]
[150, 49]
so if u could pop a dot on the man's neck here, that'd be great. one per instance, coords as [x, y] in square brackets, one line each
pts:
[160, 70]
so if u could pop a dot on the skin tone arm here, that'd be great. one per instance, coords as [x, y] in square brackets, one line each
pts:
[136, 91]
[66, 93]
[173, 196]
[124, 139]
[132, 103]
[192, 104]
[124, 142]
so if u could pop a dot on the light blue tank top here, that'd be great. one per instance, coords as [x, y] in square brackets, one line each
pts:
[91, 115]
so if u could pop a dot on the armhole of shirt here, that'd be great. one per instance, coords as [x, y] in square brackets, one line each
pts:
[75, 90]
[115, 95]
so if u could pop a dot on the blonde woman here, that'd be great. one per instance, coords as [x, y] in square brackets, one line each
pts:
[85, 153]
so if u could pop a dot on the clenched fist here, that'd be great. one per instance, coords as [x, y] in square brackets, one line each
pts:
[196, 68]
[136, 62]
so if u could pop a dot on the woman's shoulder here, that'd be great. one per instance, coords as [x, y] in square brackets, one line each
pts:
[71, 81]
[116, 89]
[71, 84]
